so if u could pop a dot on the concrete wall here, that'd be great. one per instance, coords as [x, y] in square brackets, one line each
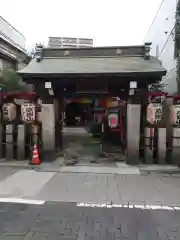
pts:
[161, 34]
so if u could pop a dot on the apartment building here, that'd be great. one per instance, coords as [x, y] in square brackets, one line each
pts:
[12, 47]
[65, 42]
[161, 34]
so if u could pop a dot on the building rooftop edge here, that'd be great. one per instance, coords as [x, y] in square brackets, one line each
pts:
[13, 27]
[12, 43]
[94, 47]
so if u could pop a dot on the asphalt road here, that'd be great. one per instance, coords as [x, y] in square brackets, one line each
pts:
[58, 220]
[88, 206]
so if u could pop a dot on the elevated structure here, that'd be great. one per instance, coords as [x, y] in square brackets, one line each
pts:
[12, 47]
[65, 42]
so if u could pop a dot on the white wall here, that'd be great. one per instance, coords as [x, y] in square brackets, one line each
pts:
[161, 34]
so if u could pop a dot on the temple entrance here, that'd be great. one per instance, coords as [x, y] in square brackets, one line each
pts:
[95, 73]
[84, 141]
[78, 114]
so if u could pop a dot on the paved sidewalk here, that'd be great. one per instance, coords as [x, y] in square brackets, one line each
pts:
[65, 221]
[155, 189]
[137, 207]
[118, 189]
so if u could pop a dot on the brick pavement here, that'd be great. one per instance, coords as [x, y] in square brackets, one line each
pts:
[67, 221]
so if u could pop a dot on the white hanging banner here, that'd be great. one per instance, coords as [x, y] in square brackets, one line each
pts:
[9, 111]
[175, 114]
[28, 112]
[154, 113]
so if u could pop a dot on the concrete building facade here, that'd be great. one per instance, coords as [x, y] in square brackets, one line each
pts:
[12, 47]
[64, 42]
[161, 34]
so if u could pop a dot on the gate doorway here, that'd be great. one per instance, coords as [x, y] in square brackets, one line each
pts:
[82, 134]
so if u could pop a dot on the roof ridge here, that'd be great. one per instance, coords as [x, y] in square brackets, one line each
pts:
[112, 56]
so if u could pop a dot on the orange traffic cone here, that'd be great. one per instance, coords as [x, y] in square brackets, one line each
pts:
[35, 156]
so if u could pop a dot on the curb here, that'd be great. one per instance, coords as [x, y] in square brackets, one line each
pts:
[169, 172]
[19, 166]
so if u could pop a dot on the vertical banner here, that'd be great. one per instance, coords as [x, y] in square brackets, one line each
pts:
[28, 113]
[154, 113]
[9, 111]
[175, 114]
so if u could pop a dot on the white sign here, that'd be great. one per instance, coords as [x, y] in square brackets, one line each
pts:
[133, 84]
[175, 114]
[154, 113]
[9, 111]
[28, 112]
[48, 85]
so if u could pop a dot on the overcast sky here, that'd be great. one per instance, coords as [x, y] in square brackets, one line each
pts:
[109, 22]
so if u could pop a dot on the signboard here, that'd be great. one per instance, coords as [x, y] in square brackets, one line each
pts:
[133, 84]
[113, 120]
[175, 114]
[154, 113]
[48, 85]
[28, 112]
[86, 88]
